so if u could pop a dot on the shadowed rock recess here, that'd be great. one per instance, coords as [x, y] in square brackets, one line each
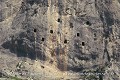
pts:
[64, 39]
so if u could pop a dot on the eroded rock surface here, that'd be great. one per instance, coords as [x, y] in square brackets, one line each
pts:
[60, 36]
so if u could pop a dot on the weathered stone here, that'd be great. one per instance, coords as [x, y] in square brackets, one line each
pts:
[64, 35]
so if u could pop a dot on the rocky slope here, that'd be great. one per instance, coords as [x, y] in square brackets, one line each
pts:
[60, 39]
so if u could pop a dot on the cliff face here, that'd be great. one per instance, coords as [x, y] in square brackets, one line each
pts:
[78, 36]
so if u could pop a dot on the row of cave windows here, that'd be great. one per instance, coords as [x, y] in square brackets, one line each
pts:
[71, 26]
[51, 31]
[65, 41]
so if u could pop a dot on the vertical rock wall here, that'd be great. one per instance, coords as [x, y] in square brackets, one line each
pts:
[76, 35]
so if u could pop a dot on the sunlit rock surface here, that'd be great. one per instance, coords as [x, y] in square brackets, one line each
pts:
[60, 39]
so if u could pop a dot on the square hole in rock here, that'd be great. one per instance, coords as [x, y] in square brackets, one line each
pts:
[51, 31]
[35, 30]
[65, 41]
[88, 23]
[78, 34]
[59, 20]
[83, 43]
[43, 39]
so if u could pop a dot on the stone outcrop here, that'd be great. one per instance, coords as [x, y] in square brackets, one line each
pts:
[79, 36]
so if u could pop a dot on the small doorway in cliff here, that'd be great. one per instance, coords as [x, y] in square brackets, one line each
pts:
[88, 23]
[51, 31]
[42, 39]
[59, 20]
[65, 41]
[78, 34]
[35, 30]
[83, 43]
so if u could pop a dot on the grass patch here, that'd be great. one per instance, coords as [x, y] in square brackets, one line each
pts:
[15, 78]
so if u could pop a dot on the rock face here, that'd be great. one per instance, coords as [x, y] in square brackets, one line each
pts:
[78, 36]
